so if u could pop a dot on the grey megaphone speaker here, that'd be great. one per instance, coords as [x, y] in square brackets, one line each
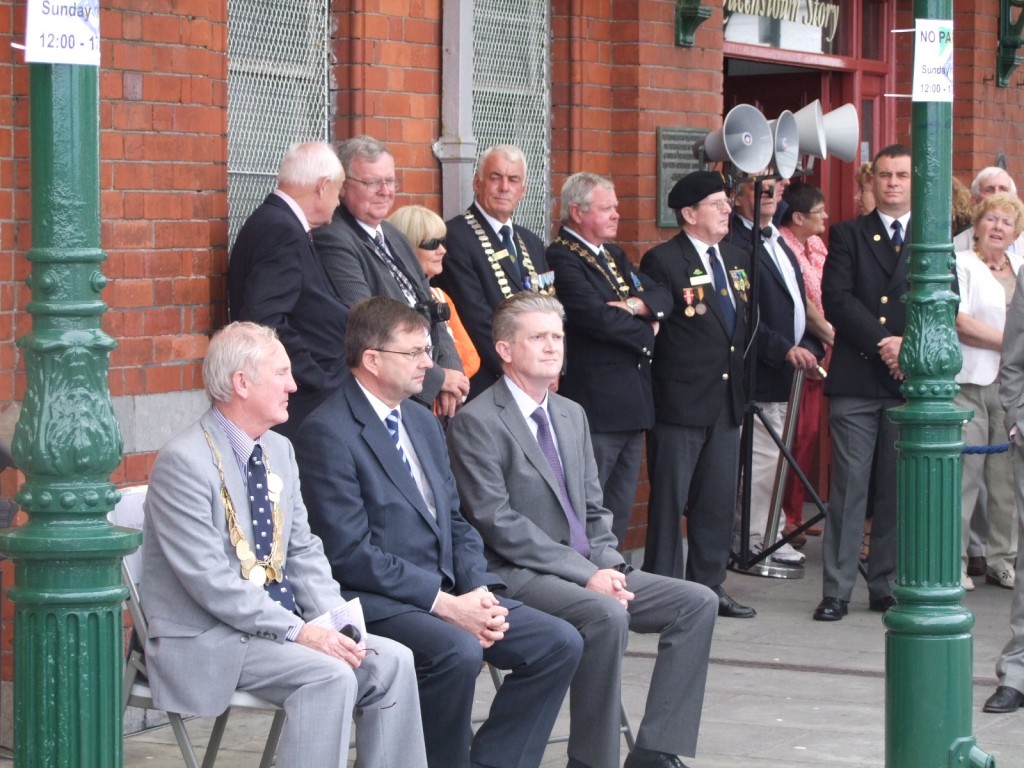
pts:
[745, 140]
[786, 140]
[842, 132]
[811, 126]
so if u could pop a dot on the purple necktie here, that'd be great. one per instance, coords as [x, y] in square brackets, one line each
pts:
[577, 534]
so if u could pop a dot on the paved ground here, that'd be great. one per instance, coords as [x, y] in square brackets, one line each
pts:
[783, 690]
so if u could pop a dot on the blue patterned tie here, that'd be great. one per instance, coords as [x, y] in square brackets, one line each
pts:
[897, 236]
[509, 245]
[263, 526]
[577, 534]
[391, 422]
[722, 289]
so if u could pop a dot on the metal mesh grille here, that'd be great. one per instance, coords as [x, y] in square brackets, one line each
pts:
[277, 92]
[512, 92]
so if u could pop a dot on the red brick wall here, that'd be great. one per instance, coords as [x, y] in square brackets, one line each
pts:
[388, 82]
[163, 121]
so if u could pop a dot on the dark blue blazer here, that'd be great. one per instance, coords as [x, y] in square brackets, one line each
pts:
[608, 352]
[383, 544]
[469, 281]
[698, 366]
[775, 308]
[862, 289]
[275, 278]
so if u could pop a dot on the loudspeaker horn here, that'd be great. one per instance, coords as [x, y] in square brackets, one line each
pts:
[811, 126]
[786, 140]
[745, 140]
[842, 132]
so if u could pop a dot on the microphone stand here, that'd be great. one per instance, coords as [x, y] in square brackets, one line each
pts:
[745, 561]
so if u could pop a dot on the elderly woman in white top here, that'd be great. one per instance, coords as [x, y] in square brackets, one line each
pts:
[987, 277]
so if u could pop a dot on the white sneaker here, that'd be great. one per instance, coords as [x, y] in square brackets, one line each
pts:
[788, 556]
[966, 582]
[1004, 579]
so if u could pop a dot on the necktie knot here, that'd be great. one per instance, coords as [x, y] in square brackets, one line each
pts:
[256, 457]
[540, 416]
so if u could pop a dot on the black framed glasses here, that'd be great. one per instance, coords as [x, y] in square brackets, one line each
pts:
[377, 185]
[412, 354]
[433, 244]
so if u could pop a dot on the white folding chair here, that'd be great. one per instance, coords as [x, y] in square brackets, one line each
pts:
[129, 514]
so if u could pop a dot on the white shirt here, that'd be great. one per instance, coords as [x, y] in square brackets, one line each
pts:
[702, 251]
[294, 207]
[383, 410]
[527, 405]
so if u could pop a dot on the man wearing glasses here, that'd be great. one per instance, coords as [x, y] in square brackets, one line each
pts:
[380, 494]
[783, 345]
[692, 451]
[364, 255]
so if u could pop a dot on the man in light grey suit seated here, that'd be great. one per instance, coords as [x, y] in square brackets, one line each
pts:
[231, 572]
[536, 499]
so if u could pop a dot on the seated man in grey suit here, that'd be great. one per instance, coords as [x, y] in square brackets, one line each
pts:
[229, 579]
[524, 466]
[381, 495]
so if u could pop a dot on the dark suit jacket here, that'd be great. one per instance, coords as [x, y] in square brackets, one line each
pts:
[469, 281]
[276, 279]
[862, 287]
[367, 509]
[698, 367]
[513, 498]
[357, 273]
[608, 351]
[774, 376]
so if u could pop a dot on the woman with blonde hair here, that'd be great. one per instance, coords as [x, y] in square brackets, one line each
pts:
[987, 276]
[426, 231]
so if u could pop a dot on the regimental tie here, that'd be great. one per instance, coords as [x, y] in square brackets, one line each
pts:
[404, 283]
[509, 245]
[722, 289]
[263, 526]
[577, 533]
[897, 235]
[391, 422]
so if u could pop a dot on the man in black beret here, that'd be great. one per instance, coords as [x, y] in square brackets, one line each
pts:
[693, 450]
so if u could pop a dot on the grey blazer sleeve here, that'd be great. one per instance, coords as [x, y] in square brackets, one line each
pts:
[1011, 373]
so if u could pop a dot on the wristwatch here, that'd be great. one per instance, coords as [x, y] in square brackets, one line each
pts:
[634, 304]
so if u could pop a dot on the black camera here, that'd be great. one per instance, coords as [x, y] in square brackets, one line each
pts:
[435, 311]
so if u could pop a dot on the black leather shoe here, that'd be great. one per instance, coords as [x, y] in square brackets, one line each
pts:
[653, 760]
[881, 604]
[730, 609]
[1005, 699]
[976, 566]
[830, 609]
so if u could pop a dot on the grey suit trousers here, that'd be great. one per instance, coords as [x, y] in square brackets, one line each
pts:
[1010, 666]
[863, 447]
[317, 693]
[682, 612]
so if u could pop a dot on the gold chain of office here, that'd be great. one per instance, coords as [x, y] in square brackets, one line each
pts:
[270, 568]
[494, 257]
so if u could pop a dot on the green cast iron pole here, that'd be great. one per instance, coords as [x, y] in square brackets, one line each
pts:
[68, 635]
[929, 648]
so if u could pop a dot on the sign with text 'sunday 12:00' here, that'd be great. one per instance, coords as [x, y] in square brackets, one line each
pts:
[63, 32]
[933, 60]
